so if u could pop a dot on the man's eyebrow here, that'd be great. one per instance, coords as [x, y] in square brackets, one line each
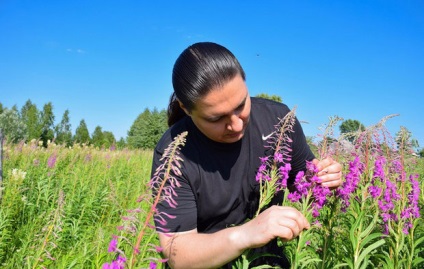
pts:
[241, 104]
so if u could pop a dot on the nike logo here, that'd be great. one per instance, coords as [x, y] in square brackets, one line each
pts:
[266, 137]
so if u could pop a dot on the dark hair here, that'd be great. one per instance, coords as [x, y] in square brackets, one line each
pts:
[200, 68]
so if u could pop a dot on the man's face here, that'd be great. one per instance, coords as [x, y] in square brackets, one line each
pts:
[223, 114]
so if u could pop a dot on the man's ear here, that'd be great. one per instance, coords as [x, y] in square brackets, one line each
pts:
[183, 107]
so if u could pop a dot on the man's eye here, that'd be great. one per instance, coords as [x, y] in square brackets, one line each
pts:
[214, 119]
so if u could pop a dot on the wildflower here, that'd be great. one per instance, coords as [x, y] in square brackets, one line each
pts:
[284, 175]
[52, 160]
[112, 245]
[374, 191]
[408, 225]
[379, 168]
[152, 265]
[351, 182]
[294, 197]
[18, 174]
[278, 157]
[119, 263]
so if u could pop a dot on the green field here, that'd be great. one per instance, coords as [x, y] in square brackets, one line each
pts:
[60, 208]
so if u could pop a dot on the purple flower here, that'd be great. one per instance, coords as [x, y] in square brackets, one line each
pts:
[379, 168]
[112, 245]
[374, 191]
[310, 166]
[52, 160]
[116, 264]
[152, 265]
[351, 183]
[284, 173]
[294, 197]
[278, 157]
[407, 227]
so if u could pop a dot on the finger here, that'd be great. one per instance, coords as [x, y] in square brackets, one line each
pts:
[294, 214]
[289, 229]
[334, 168]
[321, 165]
[332, 180]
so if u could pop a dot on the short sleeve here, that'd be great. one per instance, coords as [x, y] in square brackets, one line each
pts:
[176, 210]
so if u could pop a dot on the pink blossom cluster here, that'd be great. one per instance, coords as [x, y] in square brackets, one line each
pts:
[309, 182]
[349, 186]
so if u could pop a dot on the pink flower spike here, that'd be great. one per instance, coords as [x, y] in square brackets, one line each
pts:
[112, 245]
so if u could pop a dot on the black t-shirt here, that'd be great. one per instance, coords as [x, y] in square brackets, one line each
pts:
[218, 186]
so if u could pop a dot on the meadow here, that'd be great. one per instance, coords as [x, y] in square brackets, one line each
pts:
[85, 207]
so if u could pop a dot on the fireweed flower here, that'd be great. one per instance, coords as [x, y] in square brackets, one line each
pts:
[163, 184]
[308, 185]
[112, 245]
[273, 172]
[412, 209]
[52, 160]
[351, 183]
[284, 174]
[119, 263]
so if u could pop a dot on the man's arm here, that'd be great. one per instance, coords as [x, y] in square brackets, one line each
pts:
[198, 250]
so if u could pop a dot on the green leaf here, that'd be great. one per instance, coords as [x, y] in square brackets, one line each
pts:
[370, 227]
[369, 239]
[417, 261]
[418, 241]
[369, 249]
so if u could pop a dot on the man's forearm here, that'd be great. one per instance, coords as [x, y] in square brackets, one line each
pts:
[197, 250]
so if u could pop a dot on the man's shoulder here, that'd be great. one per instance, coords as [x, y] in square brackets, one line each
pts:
[173, 131]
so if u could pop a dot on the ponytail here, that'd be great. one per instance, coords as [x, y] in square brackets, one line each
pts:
[175, 112]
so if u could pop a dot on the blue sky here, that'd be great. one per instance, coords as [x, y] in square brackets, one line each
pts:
[106, 61]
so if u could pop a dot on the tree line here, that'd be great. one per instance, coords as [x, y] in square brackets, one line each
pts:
[30, 123]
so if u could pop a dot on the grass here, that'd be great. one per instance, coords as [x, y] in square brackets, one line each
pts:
[61, 206]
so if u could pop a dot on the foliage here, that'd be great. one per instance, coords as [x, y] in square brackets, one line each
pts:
[147, 129]
[30, 115]
[47, 122]
[63, 131]
[12, 126]
[404, 140]
[61, 205]
[421, 153]
[82, 135]
[273, 97]
[350, 128]
[378, 206]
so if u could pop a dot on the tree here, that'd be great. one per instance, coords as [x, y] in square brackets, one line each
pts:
[63, 130]
[81, 133]
[14, 129]
[121, 143]
[273, 97]
[147, 129]
[102, 139]
[1, 108]
[97, 138]
[421, 153]
[30, 115]
[109, 139]
[350, 127]
[405, 141]
[47, 121]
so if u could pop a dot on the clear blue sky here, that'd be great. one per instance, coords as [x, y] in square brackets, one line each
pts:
[106, 61]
